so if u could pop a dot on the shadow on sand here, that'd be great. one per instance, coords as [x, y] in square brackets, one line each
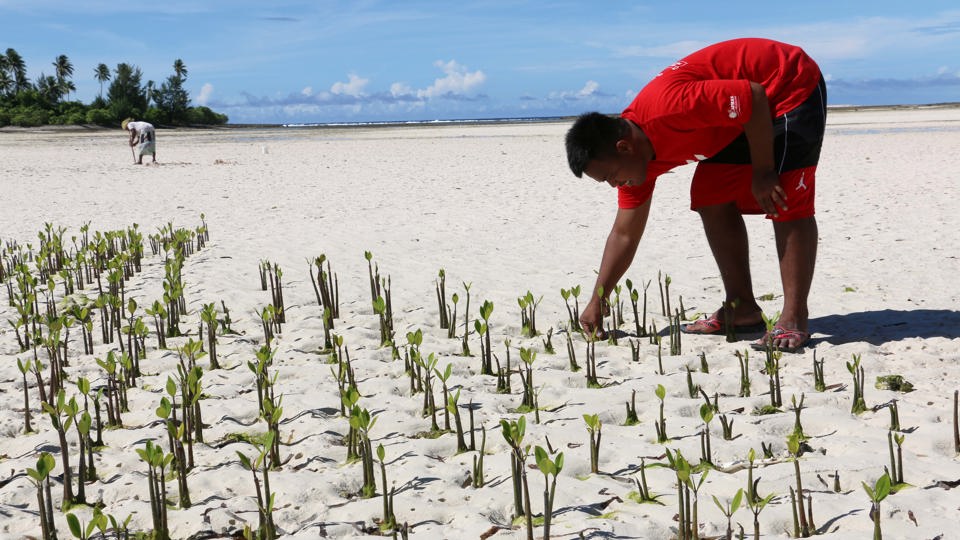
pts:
[884, 326]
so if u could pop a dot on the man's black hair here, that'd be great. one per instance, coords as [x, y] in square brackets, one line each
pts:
[593, 136]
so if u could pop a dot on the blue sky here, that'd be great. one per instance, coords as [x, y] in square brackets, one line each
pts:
[337, 61]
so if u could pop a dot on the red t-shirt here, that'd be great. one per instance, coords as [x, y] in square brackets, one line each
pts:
[697, 106]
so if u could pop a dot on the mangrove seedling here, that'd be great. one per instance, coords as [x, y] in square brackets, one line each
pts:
[688, 524]
[444, 376]
[819, 383]
[326, 287]
[61, 414]
[464, 343]
[894, 416]
[389, 520]
[756, 506]
[692, 389]
[632, 418]
[877, 493]
[477, 477]
[706, 414]
[767, 450]
[455, 411]
[616, 314]
[528, 314]
[643, 491]
[428, 365]
[704, 366]
[594, 426]
[452, 328]
[572, 355]
[802, 529]
[529, 401]
[81, 532]
[729, 509]
[513, 432]
[266, 499]
[744, 360]
[856, 370]
[956, 421]
[548, 467]
[896, 462]
[592, 380]
[727, 425]
[24, 369]
[640, 324]
[386, 331]
[208, 315]
[797, 426]
[442, 308]
[772, 368]
[751, 492]
[676, 346]
[634, 350]
[483, 331]
[157, 463]
[41, 479]
[661, 424]
[362, 423]
[572, 314]
[504, 372]
[548, 342]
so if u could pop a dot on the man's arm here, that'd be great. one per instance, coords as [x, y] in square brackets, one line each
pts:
[618, 253]
[133, 134]
[759, 131]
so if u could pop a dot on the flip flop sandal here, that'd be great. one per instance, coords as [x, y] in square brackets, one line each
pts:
[709, 326]
[800, 337]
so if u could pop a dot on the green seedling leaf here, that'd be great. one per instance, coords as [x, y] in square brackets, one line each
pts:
[381, 453]
[74, 523]
[661, 392]
[706, 413]
[245, 461]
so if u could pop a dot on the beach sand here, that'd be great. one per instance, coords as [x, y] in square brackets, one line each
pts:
[496, 208]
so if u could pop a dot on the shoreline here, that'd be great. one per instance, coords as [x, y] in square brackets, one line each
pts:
[90, 128]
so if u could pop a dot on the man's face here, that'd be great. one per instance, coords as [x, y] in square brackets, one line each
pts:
[620, 170]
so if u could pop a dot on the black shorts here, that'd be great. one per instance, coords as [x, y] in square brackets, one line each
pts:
[797, 136]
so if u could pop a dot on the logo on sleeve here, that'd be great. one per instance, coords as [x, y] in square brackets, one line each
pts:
[734, 110]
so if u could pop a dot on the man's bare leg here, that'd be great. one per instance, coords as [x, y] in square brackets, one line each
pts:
[797, 251]
[727, 236]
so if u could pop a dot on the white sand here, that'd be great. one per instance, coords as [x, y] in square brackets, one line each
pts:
[496, 207]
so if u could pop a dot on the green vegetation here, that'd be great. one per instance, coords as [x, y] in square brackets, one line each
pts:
[46, 100]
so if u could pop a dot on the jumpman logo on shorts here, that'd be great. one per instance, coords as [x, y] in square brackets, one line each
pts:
[800, 184]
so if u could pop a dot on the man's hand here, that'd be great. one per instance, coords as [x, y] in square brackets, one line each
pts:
[768, 193]
[591, 318]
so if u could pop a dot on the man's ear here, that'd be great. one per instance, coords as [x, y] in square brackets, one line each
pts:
[624, 146]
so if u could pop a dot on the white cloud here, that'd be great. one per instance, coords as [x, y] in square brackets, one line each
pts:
[354, 87]
[400, 89]
[308, 91]
[457, 80]
[205, 92]
[588, 89]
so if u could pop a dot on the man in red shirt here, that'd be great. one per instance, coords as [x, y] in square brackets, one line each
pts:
[751, 114]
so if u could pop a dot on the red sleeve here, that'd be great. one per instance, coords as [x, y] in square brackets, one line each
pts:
[711, 103]
[634, 196]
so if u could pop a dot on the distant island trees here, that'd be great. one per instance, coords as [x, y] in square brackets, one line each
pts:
[46, 100]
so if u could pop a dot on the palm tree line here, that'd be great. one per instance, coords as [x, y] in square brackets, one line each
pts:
[46, 99]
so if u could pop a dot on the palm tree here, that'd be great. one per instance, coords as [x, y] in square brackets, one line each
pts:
[64, 70]
[18, 68]
[103, 75]
[180, 69]
[6, 83]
